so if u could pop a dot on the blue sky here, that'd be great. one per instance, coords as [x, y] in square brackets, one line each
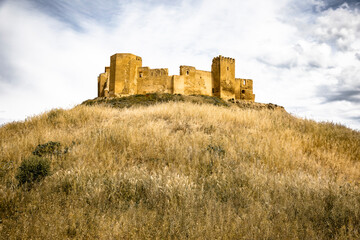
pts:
[303, 55]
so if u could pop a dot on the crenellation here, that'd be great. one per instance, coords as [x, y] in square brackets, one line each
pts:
[227, 59]
[127, 76]
[222, 58]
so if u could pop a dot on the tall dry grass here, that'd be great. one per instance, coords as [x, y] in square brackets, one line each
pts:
[182, 170]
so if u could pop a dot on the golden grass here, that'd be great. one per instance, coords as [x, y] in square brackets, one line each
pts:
[182, 170]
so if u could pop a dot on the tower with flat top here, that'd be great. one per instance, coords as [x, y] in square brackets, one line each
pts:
[223, 74]
[123, 73]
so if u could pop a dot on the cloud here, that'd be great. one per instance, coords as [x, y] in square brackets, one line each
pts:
[331, 40]
[347, 87]
[339, 28]
[318, 6]
[47, 64]
[357, 55]
[341, 94]
[335, 4]
[74, 12]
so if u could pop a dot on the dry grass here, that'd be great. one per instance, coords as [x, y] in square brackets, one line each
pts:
[182, 170]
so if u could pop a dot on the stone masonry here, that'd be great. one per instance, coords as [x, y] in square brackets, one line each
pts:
[126, 76]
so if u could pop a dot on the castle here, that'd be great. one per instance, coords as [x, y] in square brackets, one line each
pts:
[127, 76]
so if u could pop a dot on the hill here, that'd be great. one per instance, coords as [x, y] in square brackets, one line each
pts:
[172, 166]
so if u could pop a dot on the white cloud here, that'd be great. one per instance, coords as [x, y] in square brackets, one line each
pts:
[53, 64]
[340, 27]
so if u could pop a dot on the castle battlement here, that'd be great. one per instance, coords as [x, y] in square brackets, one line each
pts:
[222, 58]
[127, 76]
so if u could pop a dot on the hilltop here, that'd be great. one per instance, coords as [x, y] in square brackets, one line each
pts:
[155, 98]
[172, 166]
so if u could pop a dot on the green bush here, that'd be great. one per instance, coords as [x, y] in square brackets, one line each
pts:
[48, 148]
[33, 170]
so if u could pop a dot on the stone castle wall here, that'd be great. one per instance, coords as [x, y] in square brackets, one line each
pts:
[153, 80]
[126, 76]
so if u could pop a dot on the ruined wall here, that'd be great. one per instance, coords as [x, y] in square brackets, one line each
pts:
[123, 73]
[246, 89]
[103, 83]
[106, 89]
[153, 80]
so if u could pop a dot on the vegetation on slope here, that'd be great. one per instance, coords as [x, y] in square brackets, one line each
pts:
[155, 98]
[179, 169]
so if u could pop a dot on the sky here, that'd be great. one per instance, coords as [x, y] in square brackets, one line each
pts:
[303, 55]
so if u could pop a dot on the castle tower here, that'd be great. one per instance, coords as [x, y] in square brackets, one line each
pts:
[123, 73]
[223, 75]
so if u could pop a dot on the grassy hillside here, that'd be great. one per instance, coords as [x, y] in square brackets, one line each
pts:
[192, 167]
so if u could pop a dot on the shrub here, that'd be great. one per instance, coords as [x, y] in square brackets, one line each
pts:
[33, 170]
[48, 148]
